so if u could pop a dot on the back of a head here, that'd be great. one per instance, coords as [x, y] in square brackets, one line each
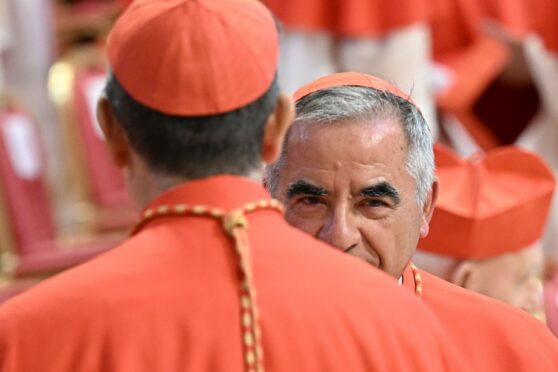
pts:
[193, 82]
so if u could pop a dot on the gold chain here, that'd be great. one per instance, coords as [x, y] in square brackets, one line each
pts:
[235, 224]
[418, 280]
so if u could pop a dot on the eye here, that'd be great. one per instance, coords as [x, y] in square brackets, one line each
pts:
[310, 200]
[374, 203]
[307, 205]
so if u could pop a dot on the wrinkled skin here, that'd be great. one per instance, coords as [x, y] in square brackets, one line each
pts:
[347, 185]
[513, 278]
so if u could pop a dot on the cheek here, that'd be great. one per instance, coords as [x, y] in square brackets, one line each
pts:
[379, 237]
[309, 225]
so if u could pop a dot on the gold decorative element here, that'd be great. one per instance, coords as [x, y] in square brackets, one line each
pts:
[148, 213]
[418, 280]
[216, 213]
[248, 339]
[199, 209]
[245, 302]
[234, 224]
[162, 209]
[180, 208]
[233, 220]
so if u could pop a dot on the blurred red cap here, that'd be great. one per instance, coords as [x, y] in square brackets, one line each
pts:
[489, 204]
[194, 57]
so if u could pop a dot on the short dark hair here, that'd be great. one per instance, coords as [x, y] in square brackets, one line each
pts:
[194, 146]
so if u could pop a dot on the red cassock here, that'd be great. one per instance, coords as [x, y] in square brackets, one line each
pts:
[521, 17]
[474, 59]
[349, 18]
[494, 336]
[494, 111]
[168, 300]
[544, 22]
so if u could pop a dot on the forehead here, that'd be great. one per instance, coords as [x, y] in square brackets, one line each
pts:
[352, 151]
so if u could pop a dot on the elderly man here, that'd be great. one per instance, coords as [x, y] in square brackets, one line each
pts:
[485, 234]
[357, 171]
[213, 279]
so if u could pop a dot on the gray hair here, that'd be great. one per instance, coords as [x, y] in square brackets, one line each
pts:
[355, 103]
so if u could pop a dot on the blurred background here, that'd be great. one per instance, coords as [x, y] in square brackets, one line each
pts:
[484, 73]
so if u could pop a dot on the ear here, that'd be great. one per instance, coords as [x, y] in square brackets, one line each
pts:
[428, 209]
[115, 137]
[276, 128]
[462, 273]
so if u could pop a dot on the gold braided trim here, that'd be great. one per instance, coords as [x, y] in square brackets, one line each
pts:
[418, 280]
[234, 224]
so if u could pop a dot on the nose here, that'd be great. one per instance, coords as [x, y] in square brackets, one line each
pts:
[340, 230]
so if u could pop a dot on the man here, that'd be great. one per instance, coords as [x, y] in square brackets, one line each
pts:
[212, 279]
[357, 171]
[488, 221]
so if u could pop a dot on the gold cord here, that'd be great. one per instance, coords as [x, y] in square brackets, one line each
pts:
[235, 225]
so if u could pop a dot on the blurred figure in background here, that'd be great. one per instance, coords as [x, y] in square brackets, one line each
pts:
[383, 38]
[487, 224]
[499, 77]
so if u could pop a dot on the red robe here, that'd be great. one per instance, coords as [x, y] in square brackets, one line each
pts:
[167, 300]
[349, 18]
[492, 335]
[493, 111]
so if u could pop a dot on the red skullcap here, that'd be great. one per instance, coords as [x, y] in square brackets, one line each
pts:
[489, 204]
[350, 79]
[194, 57]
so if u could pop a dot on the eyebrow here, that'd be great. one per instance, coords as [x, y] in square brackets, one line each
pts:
[301, 187]
[382, 189]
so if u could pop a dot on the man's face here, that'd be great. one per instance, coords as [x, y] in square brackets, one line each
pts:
[514, 278]
[347, 185]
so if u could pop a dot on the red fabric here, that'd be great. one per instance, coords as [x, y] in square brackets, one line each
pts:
[349, 79]
[51, 257]
[514, 15]
[474, 58]
[167, 300]
[489, 204]
[194, 57]
[107, 183]
[521, 17]
[27, 200]
[349, 17]
[492, 335]
[125, 3]
[544, 21]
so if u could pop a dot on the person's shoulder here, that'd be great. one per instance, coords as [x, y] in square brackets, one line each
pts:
[71, 291]
[486, 311]
[304, 254]
[327, 273]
